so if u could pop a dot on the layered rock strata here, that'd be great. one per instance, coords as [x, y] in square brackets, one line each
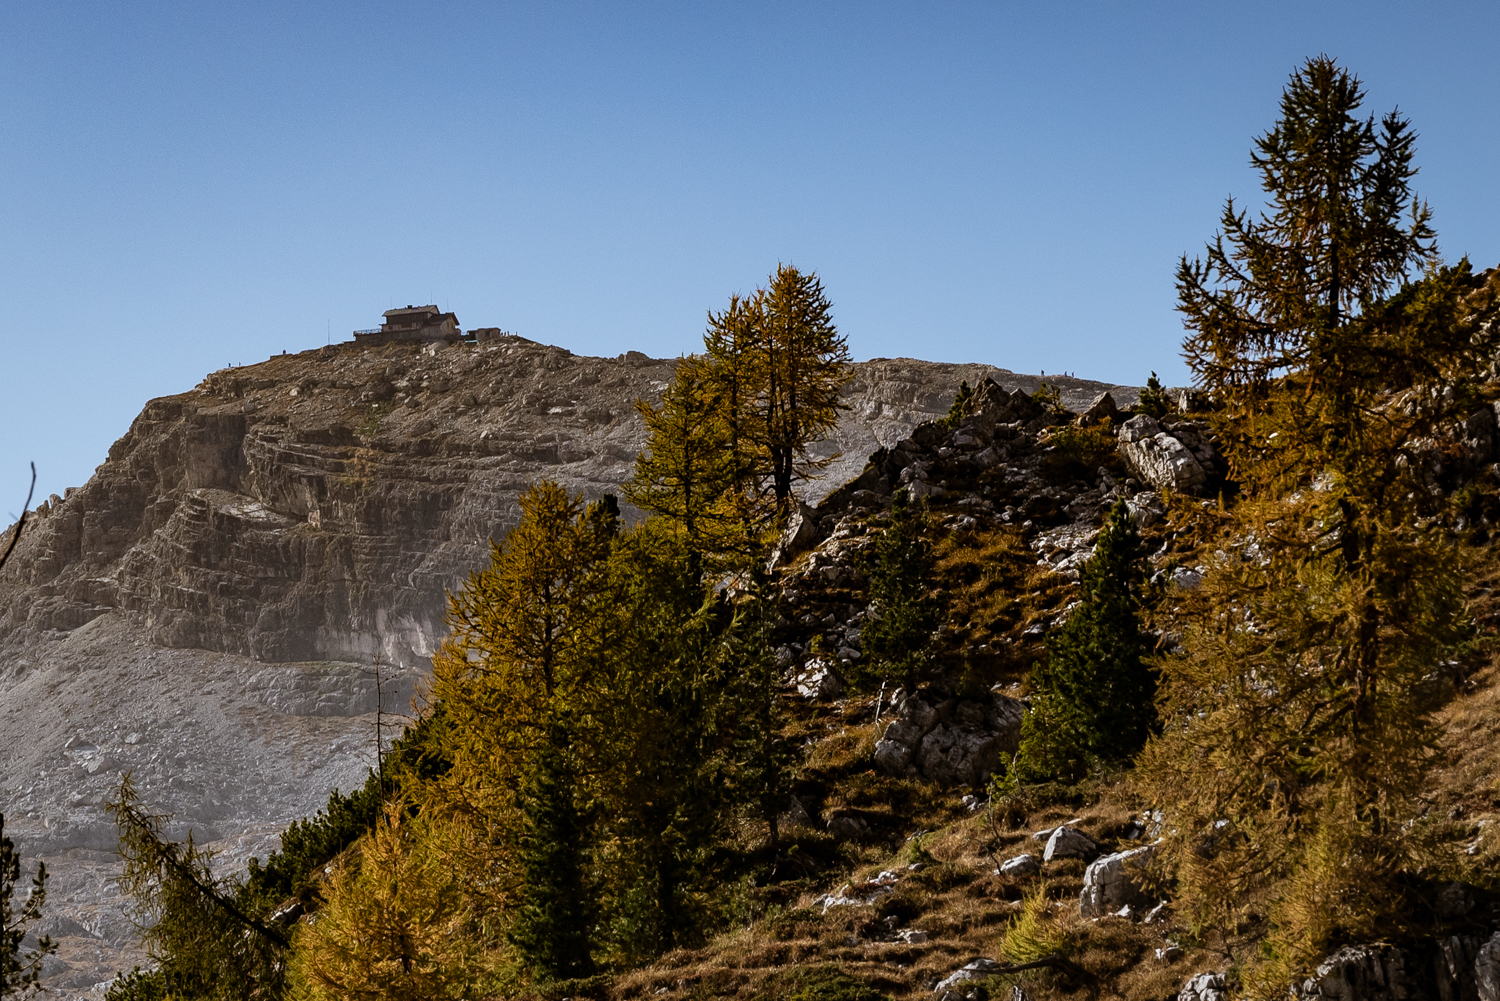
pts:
[215, 610]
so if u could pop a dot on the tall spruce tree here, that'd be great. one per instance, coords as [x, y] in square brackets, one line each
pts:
[1092, 700]
[762, 755]
[19, 972]
[666, 801]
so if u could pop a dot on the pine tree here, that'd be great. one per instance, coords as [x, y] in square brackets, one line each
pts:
[1154, 401]
[555, 924]
[956, 408]
[1092, 701]
[897, 637]
[19, 973]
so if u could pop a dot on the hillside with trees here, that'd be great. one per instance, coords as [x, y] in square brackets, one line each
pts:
[1191, 698]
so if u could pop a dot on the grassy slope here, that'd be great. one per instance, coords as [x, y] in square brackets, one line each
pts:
[958, 899]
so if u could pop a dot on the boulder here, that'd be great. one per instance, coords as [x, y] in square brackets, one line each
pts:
[1103, 408]
[1146, 508]
[1021, 865]
[1204, 987]
[953, 757]
[956, 743]
[1159, 458]
[800, 534]
[976, 969]
[1109, 883]
[848, 827]
[1068, 842]
[1487, 970]
[818, 680]
[892, 756]
[1457, 972]
[1359, 973]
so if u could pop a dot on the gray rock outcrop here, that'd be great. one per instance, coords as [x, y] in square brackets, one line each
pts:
[1487, 970]
[1179, 457]
[953, 742]
[975, 969]
[1360, 973]
[1021, 865]
[1110, 883]
[1204, 987]
[1068, 842]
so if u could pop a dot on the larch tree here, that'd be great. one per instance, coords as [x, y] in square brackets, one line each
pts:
[395, 922]
[805, 364]
[1294, 744]
[526, 681]
[733, 432]
[689, 469]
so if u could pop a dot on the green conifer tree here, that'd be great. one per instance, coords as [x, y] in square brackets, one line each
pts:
[206, 942]
[897, 638]
[667, 798]
[763, 757]
[1154, 401]
[1092, 701]
[19, 973]
[956, 408]
[555, 924]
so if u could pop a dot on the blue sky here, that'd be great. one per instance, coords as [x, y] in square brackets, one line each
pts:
[184, 186]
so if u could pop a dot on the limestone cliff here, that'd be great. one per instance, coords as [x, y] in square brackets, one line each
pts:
[211, 611]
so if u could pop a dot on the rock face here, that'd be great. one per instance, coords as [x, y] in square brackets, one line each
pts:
[1179, 457]
[258, 555]
[1066, 842]
[1461, 967]
[953, 742]
[1360, 973]
[1204, 987]
[1109, 883]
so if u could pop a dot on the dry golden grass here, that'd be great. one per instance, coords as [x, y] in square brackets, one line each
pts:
[958, 899]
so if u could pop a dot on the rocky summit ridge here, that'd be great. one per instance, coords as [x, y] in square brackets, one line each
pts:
[261, 564]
